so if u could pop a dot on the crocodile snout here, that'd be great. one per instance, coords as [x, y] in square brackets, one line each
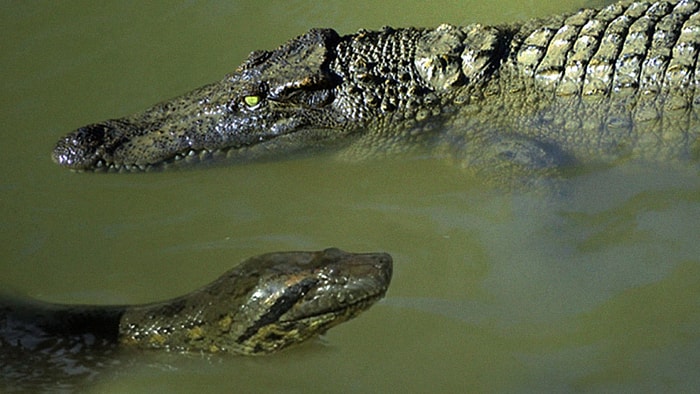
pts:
[81, 149]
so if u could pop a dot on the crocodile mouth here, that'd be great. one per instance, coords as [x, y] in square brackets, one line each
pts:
[181, 160]
[85, 150]
[118, 146]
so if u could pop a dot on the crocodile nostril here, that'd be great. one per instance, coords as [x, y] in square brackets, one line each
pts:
[79, 149]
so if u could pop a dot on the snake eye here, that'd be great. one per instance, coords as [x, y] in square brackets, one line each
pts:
[251, 101]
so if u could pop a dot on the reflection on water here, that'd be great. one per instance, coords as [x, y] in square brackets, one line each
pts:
[597, 291]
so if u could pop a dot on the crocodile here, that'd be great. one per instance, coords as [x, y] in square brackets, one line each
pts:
[591, 87]
[261, 306]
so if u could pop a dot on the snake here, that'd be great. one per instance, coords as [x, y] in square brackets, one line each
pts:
[265, 304]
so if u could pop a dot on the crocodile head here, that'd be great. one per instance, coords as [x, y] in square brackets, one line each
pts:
[276, 101]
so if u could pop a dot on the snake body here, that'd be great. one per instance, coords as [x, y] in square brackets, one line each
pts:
[263, 305]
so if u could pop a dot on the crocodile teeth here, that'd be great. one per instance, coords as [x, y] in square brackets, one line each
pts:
[205, 154]
[190, 156]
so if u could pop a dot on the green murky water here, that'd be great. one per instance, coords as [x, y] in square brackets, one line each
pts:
[600, 292]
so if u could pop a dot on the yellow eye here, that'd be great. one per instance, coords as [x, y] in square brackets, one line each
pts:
[251, 101]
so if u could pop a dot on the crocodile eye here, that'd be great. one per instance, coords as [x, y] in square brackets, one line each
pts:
[251, 101]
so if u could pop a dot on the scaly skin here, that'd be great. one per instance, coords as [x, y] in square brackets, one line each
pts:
[263, 305]
[590, 87]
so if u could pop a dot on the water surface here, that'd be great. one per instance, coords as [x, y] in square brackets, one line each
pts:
[491, 292]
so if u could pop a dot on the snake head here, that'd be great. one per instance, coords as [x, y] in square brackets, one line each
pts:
[300, 295]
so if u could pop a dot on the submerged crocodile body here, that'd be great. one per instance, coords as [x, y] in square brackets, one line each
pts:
[261, 306]
[588, 87]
